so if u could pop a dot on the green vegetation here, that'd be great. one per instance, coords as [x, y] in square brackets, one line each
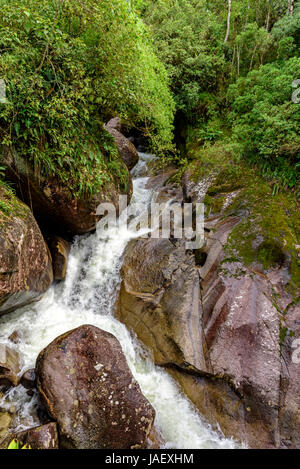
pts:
[188, 40]
[266, 122]
[15, 444]
[269, 231]
[68, 67]
[10, 204]
[225, 74]
[234, 84]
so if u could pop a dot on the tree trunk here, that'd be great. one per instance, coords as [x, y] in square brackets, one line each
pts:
[291, 7]
[228, 21]
[252, 58]
[268, 16]
[233, 59]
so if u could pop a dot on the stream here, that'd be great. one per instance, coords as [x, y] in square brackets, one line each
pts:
[87, 296]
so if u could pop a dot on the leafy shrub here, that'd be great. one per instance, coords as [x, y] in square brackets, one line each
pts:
[266, 121]
[68, 67]
[187, 39]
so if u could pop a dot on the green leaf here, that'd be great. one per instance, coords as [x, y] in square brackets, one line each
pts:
[14, 444]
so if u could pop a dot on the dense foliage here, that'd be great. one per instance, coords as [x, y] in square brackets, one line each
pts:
[232, 74]
[188, 40]
[226, 72]
[68, 67]
[265, 120]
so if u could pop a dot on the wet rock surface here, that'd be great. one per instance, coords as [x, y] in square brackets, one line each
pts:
[42, 437]
[60, 250]
[25, 261]
[15, 337]
[84, 381]
[162, 303]
[5, 422]
[126, 148]
[9, 366]
[28, 379]
[215, 325]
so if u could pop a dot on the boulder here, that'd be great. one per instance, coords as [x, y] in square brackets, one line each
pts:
[84, 380]
[162, 303]
[215, 324]
[28, 379]
[25, 261]
[9, 366]
[42, 437]
[52, 202]
[289, 421]
[60, 250]
[15, 337]
[5, 422]
[115, 124]
[164, 187]
[126, 149]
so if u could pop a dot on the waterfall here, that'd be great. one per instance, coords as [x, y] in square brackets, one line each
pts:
[87, 296]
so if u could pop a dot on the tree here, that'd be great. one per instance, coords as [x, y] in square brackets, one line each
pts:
[228, 21]
[265, 120]
[291, 7]
[68, 67]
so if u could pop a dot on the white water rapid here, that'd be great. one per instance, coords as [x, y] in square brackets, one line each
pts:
[87, 296]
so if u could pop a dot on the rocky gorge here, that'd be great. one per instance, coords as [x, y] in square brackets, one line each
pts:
[216, 325]
[222, 327]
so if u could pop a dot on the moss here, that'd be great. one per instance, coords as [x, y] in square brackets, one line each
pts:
[10, 205]
[228, 180]
[268, 233]
[213, 205]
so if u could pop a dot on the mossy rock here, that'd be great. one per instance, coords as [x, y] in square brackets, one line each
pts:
[10, 205]
[269, 231]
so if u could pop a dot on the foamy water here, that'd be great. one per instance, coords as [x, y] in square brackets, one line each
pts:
[87, 296]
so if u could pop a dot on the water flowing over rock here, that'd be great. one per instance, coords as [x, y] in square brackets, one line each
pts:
[52, 202]
[15, 337]
[114, 123]
[87, 296]
[9, 366]
[84, 380]
[25, 261]
[215, 325]
[126, 149]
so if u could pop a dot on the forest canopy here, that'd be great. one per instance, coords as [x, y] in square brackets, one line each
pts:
[223, 68]
[232, 64]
